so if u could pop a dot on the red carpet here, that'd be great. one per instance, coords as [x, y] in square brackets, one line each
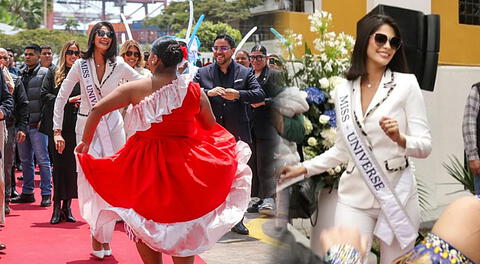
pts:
[30, 238]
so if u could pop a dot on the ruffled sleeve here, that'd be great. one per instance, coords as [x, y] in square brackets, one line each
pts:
[152, 108]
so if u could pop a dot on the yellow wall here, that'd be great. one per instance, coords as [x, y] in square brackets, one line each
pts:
[297, 22]
[344, 20]
[345, 14]
[459, 44]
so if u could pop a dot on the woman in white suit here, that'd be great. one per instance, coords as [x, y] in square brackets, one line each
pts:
[99, 74]
[382, 122]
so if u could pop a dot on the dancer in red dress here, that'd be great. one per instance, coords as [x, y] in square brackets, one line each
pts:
[181, 181]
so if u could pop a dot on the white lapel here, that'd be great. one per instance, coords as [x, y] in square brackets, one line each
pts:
[357, 99]
[381, 91]
[94, 71]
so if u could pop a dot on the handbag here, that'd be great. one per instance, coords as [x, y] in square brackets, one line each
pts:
[303, 200]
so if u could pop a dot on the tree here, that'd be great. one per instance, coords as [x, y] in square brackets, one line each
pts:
[175, 16]
[71, 24]
[208, 31]
[23, 13]
[55, 38]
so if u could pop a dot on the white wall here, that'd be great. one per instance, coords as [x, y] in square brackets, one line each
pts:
[445, 108]
[421, 5]
[268, 5]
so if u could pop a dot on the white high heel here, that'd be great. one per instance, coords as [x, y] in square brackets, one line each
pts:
[107, 252]
[98, 253]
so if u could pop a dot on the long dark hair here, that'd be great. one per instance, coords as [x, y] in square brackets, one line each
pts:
[111, 53]
[365, 29]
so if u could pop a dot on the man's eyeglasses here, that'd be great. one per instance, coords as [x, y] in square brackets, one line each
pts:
[222, 48]
[103, 33]
[72, 52]
[136, 54]
[257, 57]
[381, 39]
[4, 58]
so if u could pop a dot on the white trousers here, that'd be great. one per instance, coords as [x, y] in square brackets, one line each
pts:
[366, 219]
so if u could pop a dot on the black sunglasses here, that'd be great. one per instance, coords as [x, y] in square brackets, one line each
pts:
[257, 57]
[103, 33]
[136, 54]
[72, 52]
[381, 39]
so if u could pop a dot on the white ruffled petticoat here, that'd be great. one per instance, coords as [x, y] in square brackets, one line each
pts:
[190, 237]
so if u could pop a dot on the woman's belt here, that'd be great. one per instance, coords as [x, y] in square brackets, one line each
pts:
[391, 165]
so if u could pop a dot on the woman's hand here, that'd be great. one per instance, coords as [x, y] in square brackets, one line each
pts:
[343, 236]
[82, 147]
[59, 143]
[289, 172]
[390, 127]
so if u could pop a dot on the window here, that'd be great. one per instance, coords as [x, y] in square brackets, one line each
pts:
[469, 12]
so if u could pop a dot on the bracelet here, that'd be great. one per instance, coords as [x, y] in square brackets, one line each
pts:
[57, 132]
[342, 254]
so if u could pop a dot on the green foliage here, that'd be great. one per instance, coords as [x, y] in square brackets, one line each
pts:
[55, 38]
[175, 17]
[71, 24]
[23, 13]
[208, 31]
[463, 175]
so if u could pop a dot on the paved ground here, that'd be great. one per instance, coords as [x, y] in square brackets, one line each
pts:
[255, 248]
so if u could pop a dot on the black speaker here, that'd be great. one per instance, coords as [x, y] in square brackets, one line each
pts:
[421, 40]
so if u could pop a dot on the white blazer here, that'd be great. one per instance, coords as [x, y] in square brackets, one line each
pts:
[404, 104]
[114, 71]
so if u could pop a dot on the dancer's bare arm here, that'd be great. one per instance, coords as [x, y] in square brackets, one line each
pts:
[121, 97]
[205, 116]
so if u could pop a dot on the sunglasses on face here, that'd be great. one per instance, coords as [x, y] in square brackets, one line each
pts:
[103, 33]
[381, 39]
[222, 48]
[257, 57]
[136, 54]
[72, 52]
[4, 58]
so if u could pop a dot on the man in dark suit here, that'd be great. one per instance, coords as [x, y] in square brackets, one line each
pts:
[231, 89]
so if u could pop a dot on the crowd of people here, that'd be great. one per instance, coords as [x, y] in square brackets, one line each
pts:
[48, 107]
[100, 121]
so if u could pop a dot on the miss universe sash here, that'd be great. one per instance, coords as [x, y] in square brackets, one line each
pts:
[101, 142]
[393, 219]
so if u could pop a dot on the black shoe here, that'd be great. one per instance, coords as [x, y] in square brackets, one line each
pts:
[67, 211]
[254, 207]
[2, 246]
[46, 201]
[240, 228]
[58, 214]
[7, 209]
[20, 178]
[14, 193]
[24, 198]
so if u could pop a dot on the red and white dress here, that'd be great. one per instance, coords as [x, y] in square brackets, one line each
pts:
[179, 188]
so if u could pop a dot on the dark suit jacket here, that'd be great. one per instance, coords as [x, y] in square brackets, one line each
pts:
[233, 115]
[271, 82]
[6, 99]
[20, 115]
[48, 94]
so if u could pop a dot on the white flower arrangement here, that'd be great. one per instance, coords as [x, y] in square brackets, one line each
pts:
[318, 72]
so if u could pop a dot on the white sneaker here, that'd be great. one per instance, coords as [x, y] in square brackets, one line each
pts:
[267, 207]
